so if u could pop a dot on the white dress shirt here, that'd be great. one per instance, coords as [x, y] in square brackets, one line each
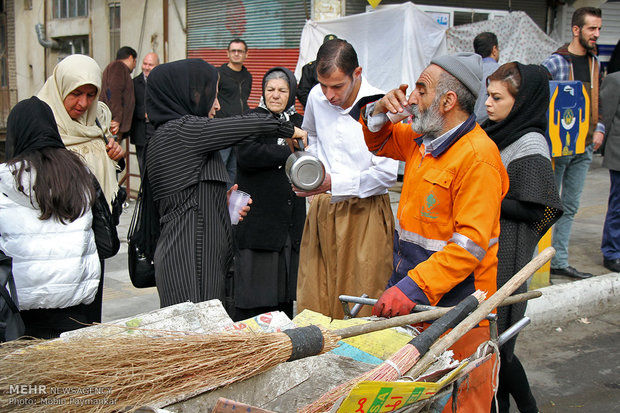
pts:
[338, 141]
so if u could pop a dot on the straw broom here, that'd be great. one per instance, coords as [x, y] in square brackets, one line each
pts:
[414, 358]
[125, 372]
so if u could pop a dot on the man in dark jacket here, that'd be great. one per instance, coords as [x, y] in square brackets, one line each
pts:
[234, 89]
[117, 90]
[141, 129]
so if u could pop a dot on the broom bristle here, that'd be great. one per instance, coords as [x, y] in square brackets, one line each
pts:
[389, 370]
[125, 372]
[480, 295]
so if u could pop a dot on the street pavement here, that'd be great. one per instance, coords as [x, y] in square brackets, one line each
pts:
[573, 367]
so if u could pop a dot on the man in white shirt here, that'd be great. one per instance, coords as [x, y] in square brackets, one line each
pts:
[347, 242]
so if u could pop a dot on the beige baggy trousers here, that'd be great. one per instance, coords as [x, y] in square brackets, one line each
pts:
[346, 248]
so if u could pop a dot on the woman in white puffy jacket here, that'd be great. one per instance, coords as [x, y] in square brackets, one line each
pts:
[46, 224]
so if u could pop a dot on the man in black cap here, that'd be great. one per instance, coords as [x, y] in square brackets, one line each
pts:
[445, 243]
[309, 77]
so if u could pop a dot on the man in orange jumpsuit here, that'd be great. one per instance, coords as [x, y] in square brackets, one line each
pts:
[445, 244]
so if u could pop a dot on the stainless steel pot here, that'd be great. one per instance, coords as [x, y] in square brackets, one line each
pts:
[304, 170]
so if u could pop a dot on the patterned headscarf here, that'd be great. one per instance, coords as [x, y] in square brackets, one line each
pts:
[82, 135]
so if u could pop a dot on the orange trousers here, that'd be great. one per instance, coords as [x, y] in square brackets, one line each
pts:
[475, 394]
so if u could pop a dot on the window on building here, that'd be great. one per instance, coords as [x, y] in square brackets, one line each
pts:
[115, 28]
[73, 45]
[64, 9]
[469, 17]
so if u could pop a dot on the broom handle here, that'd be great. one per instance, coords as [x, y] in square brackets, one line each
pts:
[402, 320]
[481, 312]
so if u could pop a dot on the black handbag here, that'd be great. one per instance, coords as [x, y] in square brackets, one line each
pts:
[11, 323]
[117, 205]
[141, 267]
[121, 194]
[106, 236]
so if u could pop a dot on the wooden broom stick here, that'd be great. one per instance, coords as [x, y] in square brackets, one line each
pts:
[414, 318]
[481, 312]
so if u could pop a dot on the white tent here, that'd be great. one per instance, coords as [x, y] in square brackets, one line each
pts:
[396, 43]
[518, 37]
[393, 45]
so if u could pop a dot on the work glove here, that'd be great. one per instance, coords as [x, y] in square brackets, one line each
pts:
[393, 302]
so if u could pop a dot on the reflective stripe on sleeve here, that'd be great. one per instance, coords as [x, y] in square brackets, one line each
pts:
[469, 245]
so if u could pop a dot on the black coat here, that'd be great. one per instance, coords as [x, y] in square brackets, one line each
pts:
[306, 83]
[140, 130]
[234, 91]
[275, 211]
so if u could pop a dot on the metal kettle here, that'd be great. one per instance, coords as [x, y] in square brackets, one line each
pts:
[304, 170]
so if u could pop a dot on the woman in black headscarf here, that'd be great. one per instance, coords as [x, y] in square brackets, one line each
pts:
[188, 178]
[517, 106]
[268, 239]
[46, 221]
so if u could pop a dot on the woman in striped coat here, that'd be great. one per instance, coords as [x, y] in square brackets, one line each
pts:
[188, 179]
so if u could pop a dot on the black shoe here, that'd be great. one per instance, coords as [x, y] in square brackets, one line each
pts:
[571, 272]
[612, 265]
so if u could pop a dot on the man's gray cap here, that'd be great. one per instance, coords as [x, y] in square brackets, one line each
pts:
[466, 67]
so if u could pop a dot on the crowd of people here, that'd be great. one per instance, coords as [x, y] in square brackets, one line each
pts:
[479, 189]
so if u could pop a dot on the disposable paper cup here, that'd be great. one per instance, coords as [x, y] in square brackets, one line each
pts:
[238, 199]
[397, 117]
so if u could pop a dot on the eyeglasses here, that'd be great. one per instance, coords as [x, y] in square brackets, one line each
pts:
[236, 51]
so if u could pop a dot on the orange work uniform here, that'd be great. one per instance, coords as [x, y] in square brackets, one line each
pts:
[445, 243]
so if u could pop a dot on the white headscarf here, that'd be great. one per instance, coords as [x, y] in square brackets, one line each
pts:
[82, 136]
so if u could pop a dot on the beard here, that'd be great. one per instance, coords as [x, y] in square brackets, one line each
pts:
[428, 122]
[584, 42]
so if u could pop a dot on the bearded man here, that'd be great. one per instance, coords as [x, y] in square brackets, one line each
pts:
[445, 243]
[576, 61]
